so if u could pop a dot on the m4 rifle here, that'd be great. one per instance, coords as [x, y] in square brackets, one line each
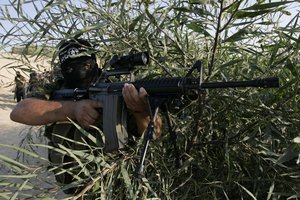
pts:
[160, 90]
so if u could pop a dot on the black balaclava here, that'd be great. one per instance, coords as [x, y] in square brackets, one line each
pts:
[78, 63]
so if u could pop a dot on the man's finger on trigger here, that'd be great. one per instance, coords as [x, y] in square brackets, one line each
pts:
[133, 91]
[142, 92]
[125, 88]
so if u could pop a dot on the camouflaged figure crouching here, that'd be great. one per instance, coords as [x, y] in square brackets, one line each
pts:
[65, 133]
[79, 70]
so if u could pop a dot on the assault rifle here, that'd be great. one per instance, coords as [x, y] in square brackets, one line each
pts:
[160, 90]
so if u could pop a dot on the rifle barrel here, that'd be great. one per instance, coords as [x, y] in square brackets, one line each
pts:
[264, 82]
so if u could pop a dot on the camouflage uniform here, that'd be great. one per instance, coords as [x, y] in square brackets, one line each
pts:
[20, 87]
[63, 133]
[57, 131]
[54, 132]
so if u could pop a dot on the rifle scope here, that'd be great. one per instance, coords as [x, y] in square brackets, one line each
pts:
[129, 61]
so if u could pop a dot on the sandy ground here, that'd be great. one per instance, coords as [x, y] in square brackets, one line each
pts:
[16, 134]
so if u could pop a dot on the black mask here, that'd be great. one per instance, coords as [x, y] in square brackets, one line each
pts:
[79, 73]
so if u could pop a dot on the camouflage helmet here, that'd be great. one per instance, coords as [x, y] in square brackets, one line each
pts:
[75, 48]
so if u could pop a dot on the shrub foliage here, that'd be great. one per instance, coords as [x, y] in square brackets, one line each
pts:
[233, 143]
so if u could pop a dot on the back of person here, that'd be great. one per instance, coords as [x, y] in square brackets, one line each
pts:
[20, 82]
[33, 81]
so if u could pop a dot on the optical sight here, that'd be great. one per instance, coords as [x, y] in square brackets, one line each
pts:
[129, 61]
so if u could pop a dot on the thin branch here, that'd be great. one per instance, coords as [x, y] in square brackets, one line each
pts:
[216, 41]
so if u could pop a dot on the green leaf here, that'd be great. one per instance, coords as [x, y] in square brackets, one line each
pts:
[126, 179]
[135, 21]
[199, 1]
[19, 176]
[290, 153]
[15, 195]
[231, 62]
[71, 154]
[197, 27]
[12, 161]
[274, 54]
[85, 29]
[196, 11]
[151, 17]
[247, 191]
[239, 35]
[271, 190]
[291, 66]
[25, 151]
[15, 185]
[267, 5]
[244, 14]
[5, 195]
[182, 9]
[88, 135]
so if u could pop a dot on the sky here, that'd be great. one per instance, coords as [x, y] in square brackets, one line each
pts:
[29, 10]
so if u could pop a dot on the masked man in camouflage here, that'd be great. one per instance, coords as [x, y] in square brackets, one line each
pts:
[79, 70]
